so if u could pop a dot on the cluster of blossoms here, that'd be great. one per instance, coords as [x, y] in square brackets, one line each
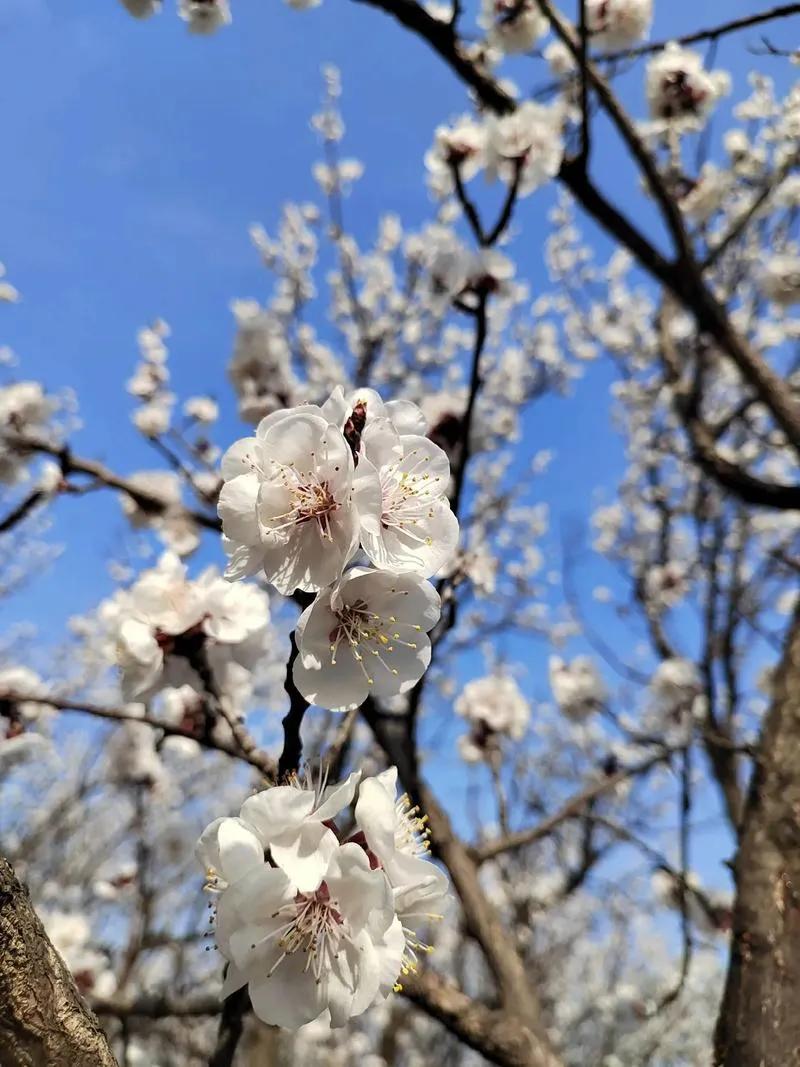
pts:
[514, 26]
[299, 500]
[316, 922]
[169, 631]
[525, 147]
[618, 23]
[577, 687]
[495, 708]
[149, 382]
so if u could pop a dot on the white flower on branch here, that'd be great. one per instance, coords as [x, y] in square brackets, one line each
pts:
[577, 686]
[201, 409]
[293, 823]
[142, 9]
[495, 708]
[397, 836]
[530, 140]
[172, 523]
[8, 293]
[513, 25]
[164, 620]
[366, 634]
[401, 497]
[286, 505]
[461, 145]
[204, 16]
[618, 23]
[680, 91]
[17, 714]
[780, 279]
[337, 948]
[315, 927]
[260, 368]
[708, 194]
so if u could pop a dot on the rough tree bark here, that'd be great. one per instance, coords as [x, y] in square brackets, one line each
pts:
[43, 1020]
[759, 1023]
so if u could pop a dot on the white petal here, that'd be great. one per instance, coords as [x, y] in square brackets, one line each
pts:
[291, 997]
[237, 509]
[376, 815]
[338, 687]
[338, 797]
[239, 849]
[243, 457]
[277, 810]
[305, 856]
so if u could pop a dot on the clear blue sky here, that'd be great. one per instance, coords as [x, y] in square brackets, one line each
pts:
[135, 157]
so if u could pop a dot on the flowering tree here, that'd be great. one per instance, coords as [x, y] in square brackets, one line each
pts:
[331, 727]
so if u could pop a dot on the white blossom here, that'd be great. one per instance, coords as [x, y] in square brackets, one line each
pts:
[617, 24]
[780, 279]
[156, 624]
[401, 497]
[201, 408]
[494, 707]
[286, 505]
[679, 90]
[461, 145]
[317, 928]
[204, 16]
[513, 25]
[397, 836]
[530, 140]
[365, 634]
[577, 686]
[142, 9]
[302, 954]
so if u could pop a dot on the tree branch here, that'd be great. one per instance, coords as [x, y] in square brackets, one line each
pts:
[43, 1020]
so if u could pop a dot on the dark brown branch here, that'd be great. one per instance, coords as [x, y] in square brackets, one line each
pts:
[22, 510]
[292, 753]
[713, 33]
[759, 1022]
[157, 1007]
[729, 475]
[759, 200]
[493, 1034]
[244, 748]
[71, 464]
[43, 1020]
[574, 807]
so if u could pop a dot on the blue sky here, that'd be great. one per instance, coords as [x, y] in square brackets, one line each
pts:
[137, 155]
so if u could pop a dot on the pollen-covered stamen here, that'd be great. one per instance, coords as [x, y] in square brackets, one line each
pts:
[310, 497]
[411, 832]
[213, 883]
[366, 634]
[314, 925]
[408, 495]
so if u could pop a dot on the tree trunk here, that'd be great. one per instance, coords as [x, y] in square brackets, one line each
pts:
[43, 1020]
[759, 1023]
